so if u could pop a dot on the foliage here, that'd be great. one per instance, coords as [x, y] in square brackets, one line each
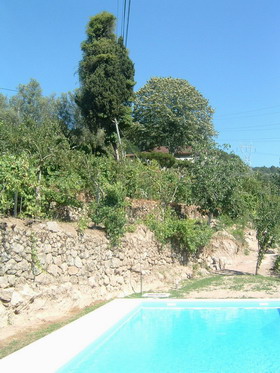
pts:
[216, 182]
[239, 234]
[172, 113]
[149, 181]
[276, 266]
[186, 234]
[31, 106]
[106, 76]
[110, 211]
[163, 159]
[267, 223]
[18, 180]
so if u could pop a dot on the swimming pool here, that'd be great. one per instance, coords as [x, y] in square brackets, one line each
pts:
[141, 335]
[188, 336]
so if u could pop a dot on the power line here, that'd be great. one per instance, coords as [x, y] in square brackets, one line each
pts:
[247, 116]
[252, 127]
[248, 111]
[124, 19]
[271, 139]
[117, 17]
[127, 24]
[9, 89]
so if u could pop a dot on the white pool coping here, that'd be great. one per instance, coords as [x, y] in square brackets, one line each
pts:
[51, 352]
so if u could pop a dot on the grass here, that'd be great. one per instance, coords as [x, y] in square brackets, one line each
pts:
[28, 337]
[241, 283]
[237, 283]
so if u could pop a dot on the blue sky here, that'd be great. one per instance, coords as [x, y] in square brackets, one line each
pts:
[228, 49]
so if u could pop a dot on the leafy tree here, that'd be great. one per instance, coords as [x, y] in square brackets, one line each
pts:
[17, 178]
[267, 223]
[31, 106]
[170, 112]
[107, 78]
[7, 113]
[68, 113]
[216, 181]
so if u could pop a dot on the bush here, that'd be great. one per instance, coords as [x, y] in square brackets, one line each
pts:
[163, 159]
[110, 211]
[276, 267]
[186, 234]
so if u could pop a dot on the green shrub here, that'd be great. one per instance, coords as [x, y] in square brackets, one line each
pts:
[186, 234]
[110, 211]
[276, 267]
[163, 159]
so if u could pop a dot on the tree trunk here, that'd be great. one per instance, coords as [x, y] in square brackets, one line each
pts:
[118, 146]
[15, 204]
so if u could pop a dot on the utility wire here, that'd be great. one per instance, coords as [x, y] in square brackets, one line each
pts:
[248, 111]
[127, 24]
[240, 116]
[124, 19]
[260, 127]
[117, 17]
[8, 89]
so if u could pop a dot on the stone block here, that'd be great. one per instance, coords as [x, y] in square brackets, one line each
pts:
[73, 270]
[92, 282]
[17, 248]
[4, 257]
[6, 295]
[78, 263]
[53, 269]
[49, 258]
[44, 278]
[4, 283]
[64, 267]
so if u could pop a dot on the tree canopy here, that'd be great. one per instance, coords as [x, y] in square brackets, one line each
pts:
[107, 77]
[170, 112]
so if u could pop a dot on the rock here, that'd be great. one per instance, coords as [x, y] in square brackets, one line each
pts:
[64, 267]
[106, 280]
[44, 279]
[6, 295]
[17, 248]
[53, 269]
[4, 283]
[4, 257]
[49, 258]
[52, 226]
[73, 270]
[78, 263]
[115, 263]
[92, 281]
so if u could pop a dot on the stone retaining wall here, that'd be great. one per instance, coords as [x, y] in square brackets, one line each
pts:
[46, 268]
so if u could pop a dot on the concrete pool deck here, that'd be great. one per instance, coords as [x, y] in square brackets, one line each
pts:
[51, 352]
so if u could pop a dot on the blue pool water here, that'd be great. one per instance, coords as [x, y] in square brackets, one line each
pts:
[170, 337]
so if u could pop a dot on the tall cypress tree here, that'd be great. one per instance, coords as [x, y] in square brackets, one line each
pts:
[107, 78]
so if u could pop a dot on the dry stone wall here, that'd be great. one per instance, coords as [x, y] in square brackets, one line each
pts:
[47, 268]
